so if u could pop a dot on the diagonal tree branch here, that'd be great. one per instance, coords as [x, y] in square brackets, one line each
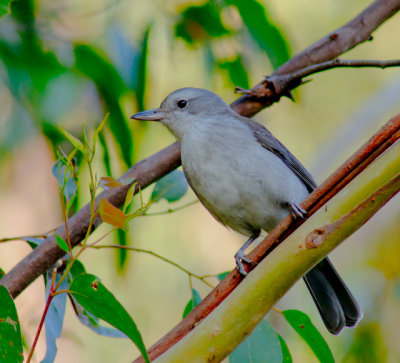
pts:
[217, 335]
[375, 146]
[151, 169]
[43, 257]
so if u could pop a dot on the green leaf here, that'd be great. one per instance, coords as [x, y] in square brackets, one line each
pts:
[111, 87]
[84, 316]
[236, 71]
[142, 70]
[84, 137]
[200, 23]
[193, 302]
[24, 13]
[73, 140]
[261, 346]
[92, 322]
[33, 241]
[2, 273]
[94, 297]
[122, 253]
[171, 187]
[100, 128]
[52, 133]
[10, 331]
[286, 356]
[302, 324]
[129, 197]
[65, 178]
[222, 275]
[77, 268]
[106, 154]
[120, 130]
[266, 34]
[5, 7]
[61, 243]
[96, 67]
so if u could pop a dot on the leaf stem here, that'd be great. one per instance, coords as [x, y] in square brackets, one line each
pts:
[189, 273]
[40, 327]
[16, 238]
[171, 210]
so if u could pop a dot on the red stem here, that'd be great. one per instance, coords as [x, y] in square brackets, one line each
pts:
[49, 299]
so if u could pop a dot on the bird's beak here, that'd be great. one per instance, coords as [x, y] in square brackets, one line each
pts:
[150, 115]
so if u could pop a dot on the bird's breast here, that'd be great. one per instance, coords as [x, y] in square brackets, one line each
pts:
[242, 184]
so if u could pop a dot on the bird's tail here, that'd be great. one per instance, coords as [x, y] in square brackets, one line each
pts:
[336, 305]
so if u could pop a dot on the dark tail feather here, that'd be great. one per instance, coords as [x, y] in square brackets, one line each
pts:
[336, 305]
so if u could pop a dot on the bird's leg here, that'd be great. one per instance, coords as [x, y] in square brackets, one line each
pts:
[296, 211]
[240, 257]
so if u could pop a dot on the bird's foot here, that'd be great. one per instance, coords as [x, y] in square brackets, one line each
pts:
[240, 258]
[296, 211]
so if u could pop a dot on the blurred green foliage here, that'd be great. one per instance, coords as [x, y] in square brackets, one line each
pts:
[48, 77]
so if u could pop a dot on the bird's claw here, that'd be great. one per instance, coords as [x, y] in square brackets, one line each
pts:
[297, 212]
[240, 258]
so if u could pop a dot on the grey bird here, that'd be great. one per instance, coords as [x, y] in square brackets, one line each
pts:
[249, 181]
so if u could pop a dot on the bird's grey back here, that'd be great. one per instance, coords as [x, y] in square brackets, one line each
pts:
[206, 104]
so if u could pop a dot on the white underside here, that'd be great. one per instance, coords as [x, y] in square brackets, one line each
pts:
[239, 181]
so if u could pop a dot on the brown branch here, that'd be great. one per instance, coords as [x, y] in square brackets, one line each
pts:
[356, 31]
[151, 169]
[282, 84]
[48, 253]
[344, 63]
[382, 140]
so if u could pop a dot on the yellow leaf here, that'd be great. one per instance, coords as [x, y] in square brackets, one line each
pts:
[108, 182]
[111, 215]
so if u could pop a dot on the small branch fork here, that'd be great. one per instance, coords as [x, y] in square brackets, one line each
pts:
[277, 86]
[328, 48]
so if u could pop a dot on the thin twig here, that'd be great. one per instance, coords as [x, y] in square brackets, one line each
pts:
[100, 239]
[40, 327]
[278, 85]
[189, 273]
[171, 210]
[344, 63]
[22, 238]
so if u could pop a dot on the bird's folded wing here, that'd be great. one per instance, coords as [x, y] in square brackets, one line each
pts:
[269, 142]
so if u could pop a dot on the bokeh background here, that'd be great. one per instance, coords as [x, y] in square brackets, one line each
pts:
[65, 63]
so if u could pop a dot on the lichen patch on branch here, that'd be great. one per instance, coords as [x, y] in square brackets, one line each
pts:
[319, 235]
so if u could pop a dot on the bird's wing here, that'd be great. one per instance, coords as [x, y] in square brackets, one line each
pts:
[269, 142]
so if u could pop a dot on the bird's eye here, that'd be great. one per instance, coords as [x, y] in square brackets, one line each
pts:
[182, 103]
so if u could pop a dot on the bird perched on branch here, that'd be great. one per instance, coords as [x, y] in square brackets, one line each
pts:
[249, 182]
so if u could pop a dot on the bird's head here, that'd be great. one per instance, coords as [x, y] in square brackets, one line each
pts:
[185, 107]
